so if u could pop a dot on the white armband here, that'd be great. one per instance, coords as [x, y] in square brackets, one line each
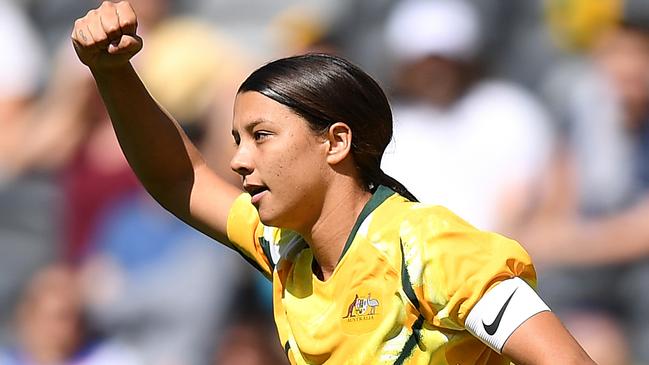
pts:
[502, 310]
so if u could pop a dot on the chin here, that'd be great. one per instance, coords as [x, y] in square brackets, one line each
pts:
[268, 217]
[273, 218]
[267, 221]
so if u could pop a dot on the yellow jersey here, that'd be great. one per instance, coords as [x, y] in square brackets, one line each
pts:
[407, 278]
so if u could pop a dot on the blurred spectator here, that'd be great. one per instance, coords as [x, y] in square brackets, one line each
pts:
[69, 131]
[28, 227]
[206, 68]
[251, 338]
[51, 327]
[20, 75]
[247, 345]
[252, 23]
[298, 30]
[153, 281]
[28, 203]
[589, 234]
[159, 285]
[473, 144]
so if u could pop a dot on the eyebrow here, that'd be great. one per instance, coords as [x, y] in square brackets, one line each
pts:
[251, 125]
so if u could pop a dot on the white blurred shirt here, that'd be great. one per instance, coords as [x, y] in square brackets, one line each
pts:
[466, 157]
[21, 64]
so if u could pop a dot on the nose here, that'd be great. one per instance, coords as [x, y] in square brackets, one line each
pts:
[241, 162]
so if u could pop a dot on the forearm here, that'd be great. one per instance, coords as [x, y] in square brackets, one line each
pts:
[543, 339]
[154, 144]
[167, 163]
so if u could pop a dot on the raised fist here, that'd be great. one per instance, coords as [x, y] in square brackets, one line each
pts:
[106, 37]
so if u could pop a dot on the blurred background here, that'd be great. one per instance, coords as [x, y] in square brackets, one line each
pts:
[529, 118]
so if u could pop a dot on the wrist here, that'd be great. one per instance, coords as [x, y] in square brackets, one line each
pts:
[112, 71]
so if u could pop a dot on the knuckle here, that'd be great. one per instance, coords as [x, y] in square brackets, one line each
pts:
[130, 22]
[112, 28]
[127, 6]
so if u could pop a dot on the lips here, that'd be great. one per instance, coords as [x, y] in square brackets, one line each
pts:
[255, 191]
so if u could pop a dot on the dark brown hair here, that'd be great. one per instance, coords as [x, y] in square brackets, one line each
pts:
[325, 89]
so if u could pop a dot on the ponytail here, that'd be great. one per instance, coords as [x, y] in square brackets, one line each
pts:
[376, 177]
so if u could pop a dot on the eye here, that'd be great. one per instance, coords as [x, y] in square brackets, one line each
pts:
[237, 140]
[260, 136]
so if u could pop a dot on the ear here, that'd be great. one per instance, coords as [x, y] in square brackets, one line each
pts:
[339, 137]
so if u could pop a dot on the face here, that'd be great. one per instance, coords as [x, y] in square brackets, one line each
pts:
[436, 80]
[623, 56]
[50, 319]
[281, 160]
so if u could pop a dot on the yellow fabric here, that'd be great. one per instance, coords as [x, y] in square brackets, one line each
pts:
[244, 229]
[576, 24]
[362, 314]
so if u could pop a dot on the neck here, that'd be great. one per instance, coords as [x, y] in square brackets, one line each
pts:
[327, 236]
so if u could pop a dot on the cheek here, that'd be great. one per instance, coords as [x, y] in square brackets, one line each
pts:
[296, 171]
[282, 165]
[296, 160]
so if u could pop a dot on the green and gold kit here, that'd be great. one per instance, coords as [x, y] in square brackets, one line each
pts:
[408, 277]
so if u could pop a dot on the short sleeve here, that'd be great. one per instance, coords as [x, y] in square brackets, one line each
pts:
[451, 265]
[245, 233]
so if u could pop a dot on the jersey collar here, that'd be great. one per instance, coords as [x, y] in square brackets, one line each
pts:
[381, 194]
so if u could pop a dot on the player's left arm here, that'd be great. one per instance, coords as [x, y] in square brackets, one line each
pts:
[512, 319]
[542, 339]
[485, 283]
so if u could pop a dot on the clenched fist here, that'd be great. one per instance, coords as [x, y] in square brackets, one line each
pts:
[106, 37]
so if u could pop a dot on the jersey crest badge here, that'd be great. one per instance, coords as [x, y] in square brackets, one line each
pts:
[361, 308]
[362, 313]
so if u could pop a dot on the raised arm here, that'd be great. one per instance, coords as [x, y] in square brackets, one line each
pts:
[166, 162]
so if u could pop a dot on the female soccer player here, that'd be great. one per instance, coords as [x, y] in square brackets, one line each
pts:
[362, 273]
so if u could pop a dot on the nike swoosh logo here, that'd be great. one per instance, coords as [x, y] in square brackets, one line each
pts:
[493, 327]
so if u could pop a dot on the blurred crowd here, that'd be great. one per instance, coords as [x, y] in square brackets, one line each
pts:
[529, 118]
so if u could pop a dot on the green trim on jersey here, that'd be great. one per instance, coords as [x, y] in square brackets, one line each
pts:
[380, 195]
[265, 246]
[287, 348]
[406, 283]
[406, 352]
